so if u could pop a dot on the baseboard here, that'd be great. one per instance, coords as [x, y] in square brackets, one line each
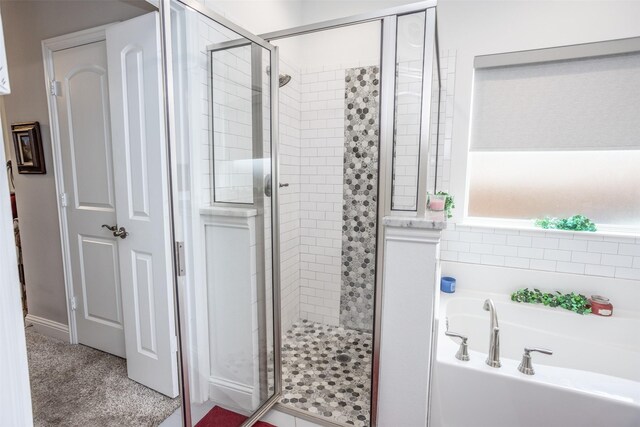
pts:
[48, 327]
[233, 395]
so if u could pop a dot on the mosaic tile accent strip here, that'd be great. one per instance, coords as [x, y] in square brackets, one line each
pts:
[360, 198]
[317, 376]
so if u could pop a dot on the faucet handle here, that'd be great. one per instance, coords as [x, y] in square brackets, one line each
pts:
[539, 350]
[526, 367]
[463, 351]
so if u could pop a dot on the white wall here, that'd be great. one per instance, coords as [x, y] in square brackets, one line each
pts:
[503, 26]
[348, 47]
[259, 16]
[26, 24]
[316, 11]
[487, 27]
[15, 402]
[315, 49]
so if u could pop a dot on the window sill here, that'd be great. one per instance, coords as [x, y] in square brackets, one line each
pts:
[604, 231]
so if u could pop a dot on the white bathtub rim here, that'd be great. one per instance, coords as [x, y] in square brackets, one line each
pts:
[584, 382]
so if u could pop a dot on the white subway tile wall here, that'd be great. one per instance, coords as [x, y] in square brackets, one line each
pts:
[564, 252]
[233, 157]
[407, 135]
[290, 196]
[228, 119]
[442, 152]
[311, 162]
[321, 178]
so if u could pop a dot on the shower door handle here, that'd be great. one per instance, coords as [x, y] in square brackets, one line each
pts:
[267, 185]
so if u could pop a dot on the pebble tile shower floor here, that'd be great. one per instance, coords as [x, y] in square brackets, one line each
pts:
[316, 381]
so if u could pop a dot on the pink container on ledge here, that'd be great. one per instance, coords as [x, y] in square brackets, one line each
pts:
[436, 202]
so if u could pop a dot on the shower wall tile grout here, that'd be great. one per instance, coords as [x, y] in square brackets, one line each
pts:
[290, 196]
[360, 197]
[321, 161]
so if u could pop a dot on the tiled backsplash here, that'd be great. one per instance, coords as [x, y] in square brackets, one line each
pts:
[564, 252]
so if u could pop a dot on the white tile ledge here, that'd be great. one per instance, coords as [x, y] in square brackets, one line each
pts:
[228, 211]
[629, 234]
[436, 222]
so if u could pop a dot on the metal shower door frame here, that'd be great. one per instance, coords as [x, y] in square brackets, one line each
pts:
[172, 146]
[388, 19]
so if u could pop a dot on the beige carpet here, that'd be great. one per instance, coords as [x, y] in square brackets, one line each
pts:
[74, 385]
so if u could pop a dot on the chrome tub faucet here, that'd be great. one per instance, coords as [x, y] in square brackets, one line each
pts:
[493, 358]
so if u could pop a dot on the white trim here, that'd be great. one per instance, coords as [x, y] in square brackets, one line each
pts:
[430, 51]
[78, 38]
[5, 86]
[412, 234]
[559, 53]
[50, 46]
[231, 394]
[188, 97]
[197, 293]
[48, 327]
[350, 20]
[15, 394]
[604, 230]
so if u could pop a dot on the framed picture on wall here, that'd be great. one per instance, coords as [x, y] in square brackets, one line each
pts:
[28, 146]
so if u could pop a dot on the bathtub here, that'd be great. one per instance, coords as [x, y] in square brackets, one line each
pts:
[592, 378]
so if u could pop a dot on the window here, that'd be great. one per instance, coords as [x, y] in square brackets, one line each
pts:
[557, 137]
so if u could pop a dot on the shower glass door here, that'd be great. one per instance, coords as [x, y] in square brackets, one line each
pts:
[221, 85]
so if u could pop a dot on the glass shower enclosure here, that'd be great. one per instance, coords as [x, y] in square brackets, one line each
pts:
[222, 99]
[221, 86]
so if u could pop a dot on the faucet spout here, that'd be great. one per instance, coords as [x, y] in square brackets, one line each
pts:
[493, 357]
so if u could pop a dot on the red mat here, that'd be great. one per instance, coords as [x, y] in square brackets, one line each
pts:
[219, 417]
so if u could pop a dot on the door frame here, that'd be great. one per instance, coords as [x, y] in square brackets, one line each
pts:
[49, 46]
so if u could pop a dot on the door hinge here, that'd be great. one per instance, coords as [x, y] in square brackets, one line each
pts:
[73, 303]
[63, 200]
[55, 88]
[180, 261]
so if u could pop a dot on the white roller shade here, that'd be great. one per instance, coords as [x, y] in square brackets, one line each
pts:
[579, 104]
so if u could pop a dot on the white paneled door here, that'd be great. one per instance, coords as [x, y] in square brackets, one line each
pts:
[142, 197]
[82, 103]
